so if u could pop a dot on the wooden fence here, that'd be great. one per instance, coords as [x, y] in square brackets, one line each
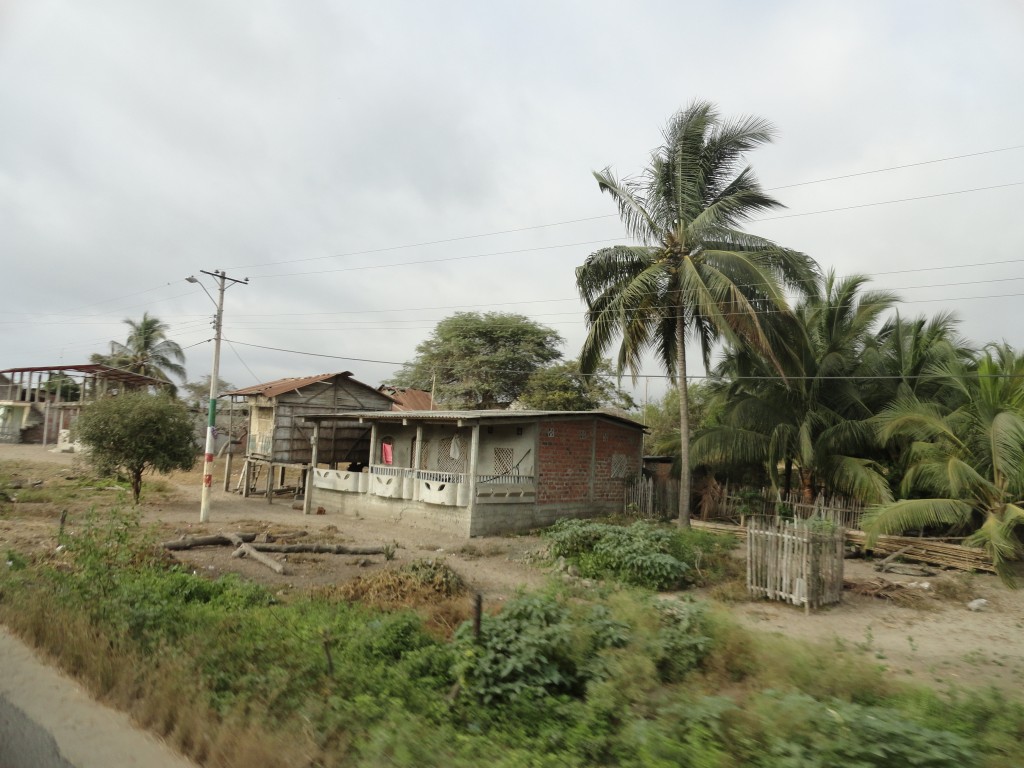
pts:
[652, 498]
[794, 561]
[768, 503]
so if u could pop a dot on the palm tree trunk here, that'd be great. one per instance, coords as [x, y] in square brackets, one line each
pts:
[684, 423]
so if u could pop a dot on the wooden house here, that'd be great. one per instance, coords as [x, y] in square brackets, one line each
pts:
[279, 438]
[481, 473]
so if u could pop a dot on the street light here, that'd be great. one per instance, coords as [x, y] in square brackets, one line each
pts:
[211, 416]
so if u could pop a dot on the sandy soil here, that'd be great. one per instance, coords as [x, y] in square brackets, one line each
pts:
[940, 643]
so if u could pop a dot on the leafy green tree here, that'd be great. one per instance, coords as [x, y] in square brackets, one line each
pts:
[197, 393]
[661, 417]
[965, 464]
[564, 387]
[695, 275]
[135, 432]
[480, 361]
[812, 420]
[69, 389]
[147, 351]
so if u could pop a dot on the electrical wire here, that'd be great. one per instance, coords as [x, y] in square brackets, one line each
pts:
[611, 215]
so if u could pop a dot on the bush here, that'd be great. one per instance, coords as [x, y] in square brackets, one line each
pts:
[641, 554]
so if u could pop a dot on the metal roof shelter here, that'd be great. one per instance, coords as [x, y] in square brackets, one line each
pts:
[30, 407]
[277, 387]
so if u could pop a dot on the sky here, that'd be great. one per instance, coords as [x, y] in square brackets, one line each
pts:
[373, 168]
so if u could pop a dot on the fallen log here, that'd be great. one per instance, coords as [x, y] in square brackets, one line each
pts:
[324, 549]
[217, 539]
[246, 550]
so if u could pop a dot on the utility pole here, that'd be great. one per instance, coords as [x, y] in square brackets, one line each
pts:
[218, 321]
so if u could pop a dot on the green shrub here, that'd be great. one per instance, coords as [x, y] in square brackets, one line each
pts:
[642, 554]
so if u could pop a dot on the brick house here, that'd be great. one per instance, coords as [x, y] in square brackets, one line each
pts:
[482, 472]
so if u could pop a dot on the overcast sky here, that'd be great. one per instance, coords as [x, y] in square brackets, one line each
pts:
[362, 163]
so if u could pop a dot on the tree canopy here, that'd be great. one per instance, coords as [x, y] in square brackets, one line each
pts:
[479, 361]
[137, 432]
[695, 276]
[564, 387]
[197, 393]
[147, 351]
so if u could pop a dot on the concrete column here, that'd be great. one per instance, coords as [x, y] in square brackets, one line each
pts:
[474, 460]
[307, 501]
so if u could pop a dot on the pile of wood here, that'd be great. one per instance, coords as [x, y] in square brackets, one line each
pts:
[941, 553]
[898, 594]
[246, 546]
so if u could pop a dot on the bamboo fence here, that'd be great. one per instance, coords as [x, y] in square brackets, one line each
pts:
[936, 552]
[651, 499]
[790, 561]
[655, 500]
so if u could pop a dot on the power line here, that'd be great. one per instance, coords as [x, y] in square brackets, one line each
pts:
[391, 265]
[313, 354]
[889, 202]
[606, 216]
[895, 168]
[244, 364]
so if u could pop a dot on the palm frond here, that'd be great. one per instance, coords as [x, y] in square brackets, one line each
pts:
[913, 514]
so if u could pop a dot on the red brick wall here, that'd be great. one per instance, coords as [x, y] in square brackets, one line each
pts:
[568, 449]
[563, 460]
[615, 440]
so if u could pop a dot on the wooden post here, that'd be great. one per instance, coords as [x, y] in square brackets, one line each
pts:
[270, 482]
[46, 413]
[231, 444]
[478, 605]
[246, 477]
[307, 501]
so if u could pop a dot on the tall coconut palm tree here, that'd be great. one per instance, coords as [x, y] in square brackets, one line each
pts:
[965, 465]
[813, 421]
[694, 275]
[147, 351]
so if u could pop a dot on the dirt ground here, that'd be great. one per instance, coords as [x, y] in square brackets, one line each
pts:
[938, 642]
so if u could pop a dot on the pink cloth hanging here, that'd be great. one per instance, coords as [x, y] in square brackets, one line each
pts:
[386, 452]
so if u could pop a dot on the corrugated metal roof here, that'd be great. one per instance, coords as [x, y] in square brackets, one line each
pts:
[492, 415]
[94, 369]
[407, 398]
[292, 384]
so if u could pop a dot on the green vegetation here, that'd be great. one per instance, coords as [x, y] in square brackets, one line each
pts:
[564, 387]
[135, 432]
[235, 676]
[696, 275]
[642, 554]
[478, 361]
[146, 351]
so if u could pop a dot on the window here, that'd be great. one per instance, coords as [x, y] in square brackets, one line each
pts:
[619, 465]
[451, 455]
[502, 461]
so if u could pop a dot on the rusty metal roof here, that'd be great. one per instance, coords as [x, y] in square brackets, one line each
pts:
[295, 383]
[407, 398]
[94, 369]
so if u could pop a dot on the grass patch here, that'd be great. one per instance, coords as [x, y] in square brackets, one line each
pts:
[353, 675]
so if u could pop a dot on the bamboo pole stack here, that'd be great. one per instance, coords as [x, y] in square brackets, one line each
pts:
[942, 554]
